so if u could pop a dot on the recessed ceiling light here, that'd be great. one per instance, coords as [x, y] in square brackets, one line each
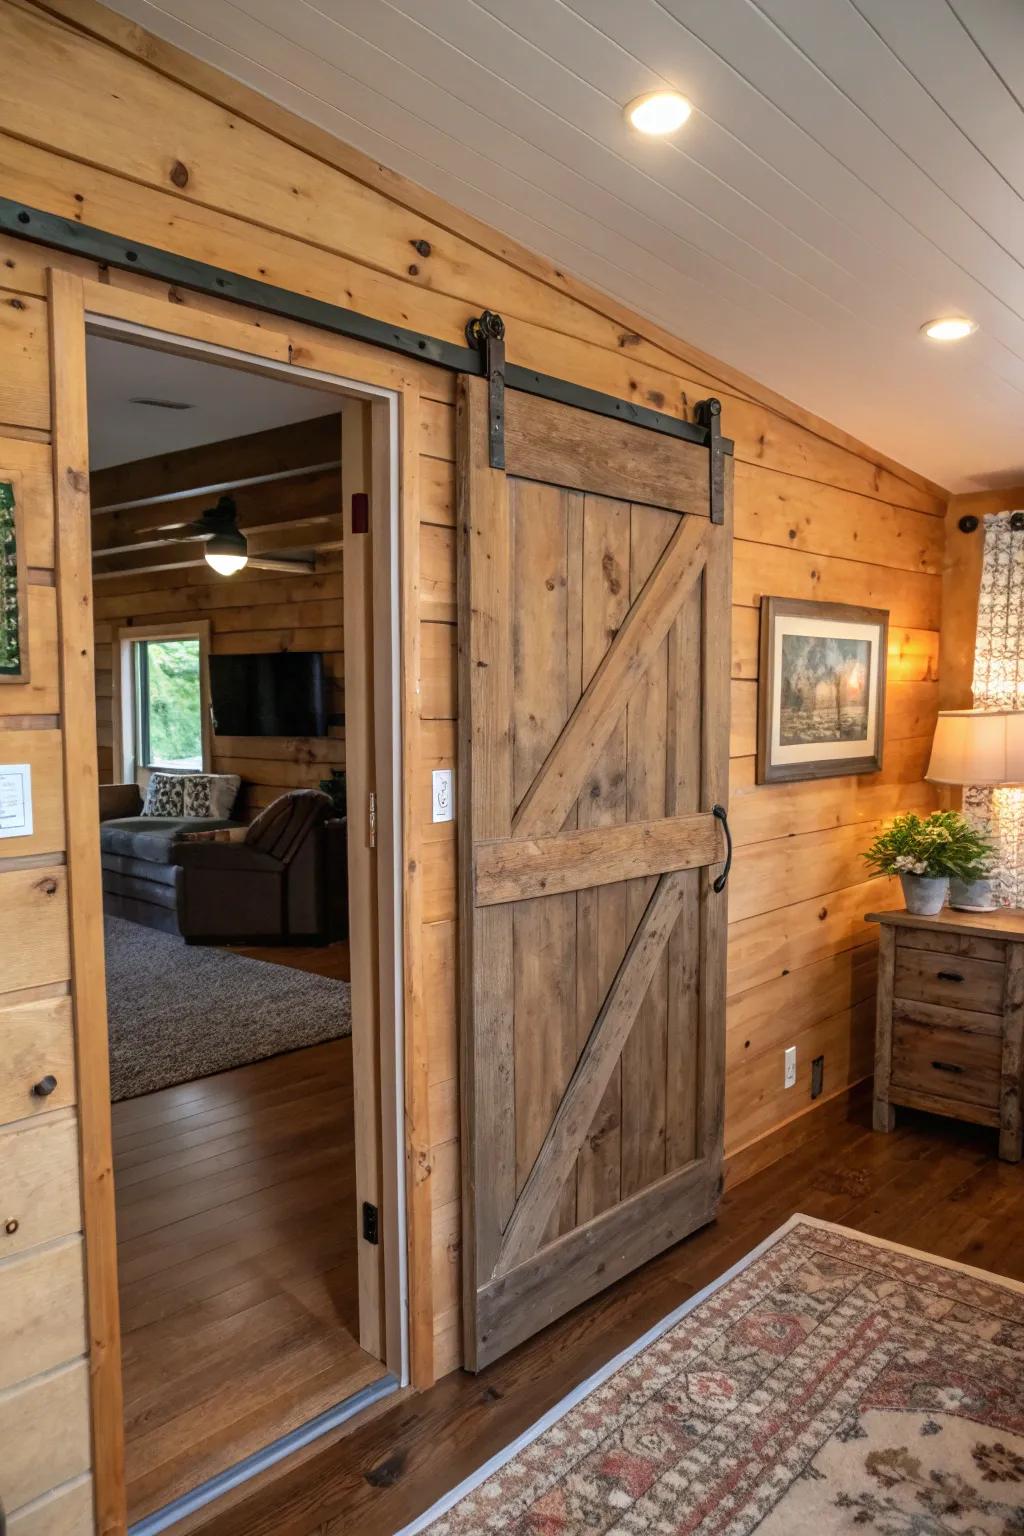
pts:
[659, 112]
[950, 328]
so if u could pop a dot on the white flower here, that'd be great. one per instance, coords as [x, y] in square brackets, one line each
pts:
[905, 864]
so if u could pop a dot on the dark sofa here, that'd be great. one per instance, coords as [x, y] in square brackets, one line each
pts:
[284, 882]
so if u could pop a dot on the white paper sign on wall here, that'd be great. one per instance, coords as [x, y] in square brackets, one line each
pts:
[15, 800]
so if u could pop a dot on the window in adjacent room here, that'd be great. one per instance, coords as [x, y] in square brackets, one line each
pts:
[168, 712]
[164, 684]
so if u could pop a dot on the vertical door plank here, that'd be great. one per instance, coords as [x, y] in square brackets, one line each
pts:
[544, 928]
[601, 913]
[85, 902]
[643, 1059]
[684, 727]
[716, 643]
[485, 811]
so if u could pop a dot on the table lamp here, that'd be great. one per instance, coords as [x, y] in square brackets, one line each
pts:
[983, 749]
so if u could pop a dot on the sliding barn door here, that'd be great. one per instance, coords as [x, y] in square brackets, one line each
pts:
[594, 606]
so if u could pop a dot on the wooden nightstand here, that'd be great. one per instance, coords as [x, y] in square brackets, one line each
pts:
[950, 1020]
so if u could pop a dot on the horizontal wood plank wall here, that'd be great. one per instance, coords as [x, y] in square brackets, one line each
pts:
[44, 1388]
[253, 611]
[114, 128]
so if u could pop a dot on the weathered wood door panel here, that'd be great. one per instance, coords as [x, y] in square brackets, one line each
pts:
[594, 688]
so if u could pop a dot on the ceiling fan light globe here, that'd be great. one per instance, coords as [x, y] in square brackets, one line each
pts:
[227, 552]
[226, 565]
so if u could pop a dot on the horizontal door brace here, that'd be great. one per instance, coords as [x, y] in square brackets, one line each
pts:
[181, 271]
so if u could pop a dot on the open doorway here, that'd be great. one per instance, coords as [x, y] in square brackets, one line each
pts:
[241, 1012]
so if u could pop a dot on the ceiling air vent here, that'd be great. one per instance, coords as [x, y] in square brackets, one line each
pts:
[163, 405]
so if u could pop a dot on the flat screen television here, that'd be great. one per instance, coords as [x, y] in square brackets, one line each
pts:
[279, 694]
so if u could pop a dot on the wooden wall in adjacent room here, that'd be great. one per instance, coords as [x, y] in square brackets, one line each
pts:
[103, 116]
[145, 576]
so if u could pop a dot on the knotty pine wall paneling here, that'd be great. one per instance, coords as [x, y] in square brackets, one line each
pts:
[103, 116]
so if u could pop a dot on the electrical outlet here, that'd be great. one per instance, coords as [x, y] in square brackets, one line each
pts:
[789, 1078]
[443, 781]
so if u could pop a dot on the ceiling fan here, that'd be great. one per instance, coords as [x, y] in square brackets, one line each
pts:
[227, 548]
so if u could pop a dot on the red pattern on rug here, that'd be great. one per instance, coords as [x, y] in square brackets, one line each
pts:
[833, 1385]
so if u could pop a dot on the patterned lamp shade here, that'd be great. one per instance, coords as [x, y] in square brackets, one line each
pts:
[978, 746]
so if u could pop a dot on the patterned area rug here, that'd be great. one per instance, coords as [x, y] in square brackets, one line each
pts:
[177, 1011]
[831, 1383]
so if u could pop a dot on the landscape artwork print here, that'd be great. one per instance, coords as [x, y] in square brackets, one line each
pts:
[824, 689]
[821, 689]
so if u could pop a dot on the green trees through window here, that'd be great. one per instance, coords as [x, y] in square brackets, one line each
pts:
[169, 708]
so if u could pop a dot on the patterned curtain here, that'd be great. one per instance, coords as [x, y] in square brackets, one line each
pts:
[999, 684]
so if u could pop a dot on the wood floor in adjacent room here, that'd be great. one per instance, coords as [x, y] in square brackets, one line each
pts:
[933, 1184]
[237, 1259]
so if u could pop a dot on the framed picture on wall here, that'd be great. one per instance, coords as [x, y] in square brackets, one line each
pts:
[13, 577]
[821, 690]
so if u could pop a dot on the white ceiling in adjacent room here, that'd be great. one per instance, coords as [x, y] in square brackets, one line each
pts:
[144, 402]
[851, 170]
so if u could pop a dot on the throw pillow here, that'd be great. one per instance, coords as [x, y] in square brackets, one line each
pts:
[216, 835]
[165, 795]
[211, 794]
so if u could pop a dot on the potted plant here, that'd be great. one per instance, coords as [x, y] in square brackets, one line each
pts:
[927, 852]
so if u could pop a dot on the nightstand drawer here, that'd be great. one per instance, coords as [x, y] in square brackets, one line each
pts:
[952, 980]
[969, 945]
[946, 1063]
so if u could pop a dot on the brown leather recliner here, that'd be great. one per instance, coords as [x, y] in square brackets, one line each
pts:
[285, 882]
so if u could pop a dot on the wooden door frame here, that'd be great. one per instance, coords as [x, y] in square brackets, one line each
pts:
[387, 397]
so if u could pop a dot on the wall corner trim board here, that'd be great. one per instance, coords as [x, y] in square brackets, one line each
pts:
[816, 516]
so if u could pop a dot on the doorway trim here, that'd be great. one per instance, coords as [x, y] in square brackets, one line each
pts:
[77, 307]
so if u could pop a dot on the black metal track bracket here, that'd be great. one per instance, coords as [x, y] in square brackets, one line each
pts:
[487, 333]
[709, 416]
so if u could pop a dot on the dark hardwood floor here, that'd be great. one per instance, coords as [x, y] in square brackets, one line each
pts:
[933, 1184]
[322, 959]
[237, 1260]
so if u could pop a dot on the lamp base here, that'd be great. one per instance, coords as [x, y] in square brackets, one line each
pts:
[972, 896]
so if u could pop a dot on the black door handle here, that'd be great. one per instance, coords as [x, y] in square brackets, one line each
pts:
[45, 1086]
[949, 975]
[718, 812]
[946, 1066]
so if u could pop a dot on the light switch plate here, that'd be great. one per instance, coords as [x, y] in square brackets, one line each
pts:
[443, 780]
[15, 800]
[789, 1072]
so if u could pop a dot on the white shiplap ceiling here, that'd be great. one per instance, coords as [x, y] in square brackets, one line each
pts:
[852, 169]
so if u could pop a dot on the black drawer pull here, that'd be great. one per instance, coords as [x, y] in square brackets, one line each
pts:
[949, 976]
[946, 1066]
[45, 1086]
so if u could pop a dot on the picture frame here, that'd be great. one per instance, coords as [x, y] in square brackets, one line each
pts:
[14, 657]
[821, 690]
